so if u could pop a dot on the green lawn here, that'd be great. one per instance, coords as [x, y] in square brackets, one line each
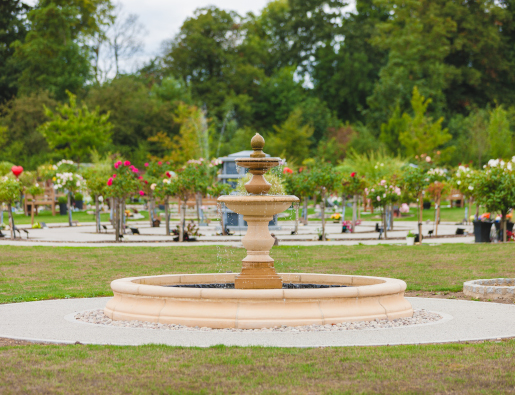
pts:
[76, 369]
[35, 273]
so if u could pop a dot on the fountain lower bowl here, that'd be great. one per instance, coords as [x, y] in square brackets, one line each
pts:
[258, 205]
[363, 299]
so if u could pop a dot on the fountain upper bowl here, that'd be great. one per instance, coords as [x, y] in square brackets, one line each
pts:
[259, 204]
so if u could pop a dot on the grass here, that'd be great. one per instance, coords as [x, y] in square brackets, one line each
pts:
[36, 273]
[30, 273]
[456, 368]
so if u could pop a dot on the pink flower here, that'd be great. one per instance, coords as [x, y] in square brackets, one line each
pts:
[167, 163]
[378, 199]
[110, 182]
[404, 208]
[146, 164]
[159, 163]
[140, 178]
[127, 163]
[383, 183]
[114, 175]
[428, 159]
[116, 165]
[141, 193]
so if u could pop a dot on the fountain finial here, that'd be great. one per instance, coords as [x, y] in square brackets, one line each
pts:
[257, 143]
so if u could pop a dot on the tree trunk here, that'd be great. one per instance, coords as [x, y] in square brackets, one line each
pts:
[344, 203]
[198, 203]
[305, 213]
[322, 207]
[70, 208]
[116, 221]
[384, 222]
[97, 213]
[11, 220]
[32, 209]
[182, 208]
[503, 225]
[420, 208]
[167, 215]
[354, 212]
[439, 197]
[151, 212]
[1, 214]
[296, 218]
[122, 222]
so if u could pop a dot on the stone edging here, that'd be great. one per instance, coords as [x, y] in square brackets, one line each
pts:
[496, 288]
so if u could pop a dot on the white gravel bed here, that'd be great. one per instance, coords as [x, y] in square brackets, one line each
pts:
[420, 316]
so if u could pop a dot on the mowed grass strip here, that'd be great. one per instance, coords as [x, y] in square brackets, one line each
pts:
[75, 369]
[36, 273]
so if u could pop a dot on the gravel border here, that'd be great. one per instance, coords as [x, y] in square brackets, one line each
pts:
[420, 317]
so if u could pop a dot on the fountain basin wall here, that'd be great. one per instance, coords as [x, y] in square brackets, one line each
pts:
[364, 299]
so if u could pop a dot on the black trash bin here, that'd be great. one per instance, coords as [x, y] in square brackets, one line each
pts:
[482, 231]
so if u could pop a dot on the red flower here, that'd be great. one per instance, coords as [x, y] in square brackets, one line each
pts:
[146, 182]
[110, 182]
[168, 174]
[353, 174]
[287, 170]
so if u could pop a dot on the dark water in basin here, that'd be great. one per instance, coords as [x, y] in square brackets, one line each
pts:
[231, 286]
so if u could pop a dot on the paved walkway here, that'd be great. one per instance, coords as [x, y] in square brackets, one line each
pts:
[52, 321]
[85, 235]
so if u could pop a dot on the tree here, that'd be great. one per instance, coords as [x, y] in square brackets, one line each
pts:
[414, 182]
[70, 181]
[53, 56]
[494, 188]
[422, 135]
[10, 189]
[120, 41]
[23, 141]
[13, 27]
[75, 132]
[499, 134]
[324, 178]
[382, 195]
[292, 138]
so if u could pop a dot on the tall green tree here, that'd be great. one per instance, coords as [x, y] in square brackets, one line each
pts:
[347, 68]
[499, 134]
[453, 51]
[13, 27]
[422, 134]
[75, 132]
[292, 138]
[54, 55]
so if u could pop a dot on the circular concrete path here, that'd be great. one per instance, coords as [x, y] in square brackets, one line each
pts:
[52, 321]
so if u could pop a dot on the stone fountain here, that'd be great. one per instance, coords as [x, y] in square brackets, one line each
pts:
[257, 297]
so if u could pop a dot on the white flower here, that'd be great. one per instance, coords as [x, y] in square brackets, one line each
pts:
[459, 182]
[78, 183]
[428, 159]
[471, 187]
[100, 199]
[153, 186]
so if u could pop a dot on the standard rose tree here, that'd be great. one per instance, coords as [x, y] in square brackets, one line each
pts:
[67, 179]
[382, 195]
[354, 186]
[120, 186]
[10, 190]
[494, 188]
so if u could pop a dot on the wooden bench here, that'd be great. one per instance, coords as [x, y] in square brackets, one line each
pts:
[456, 196]
[48, 198]
[191, 202]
